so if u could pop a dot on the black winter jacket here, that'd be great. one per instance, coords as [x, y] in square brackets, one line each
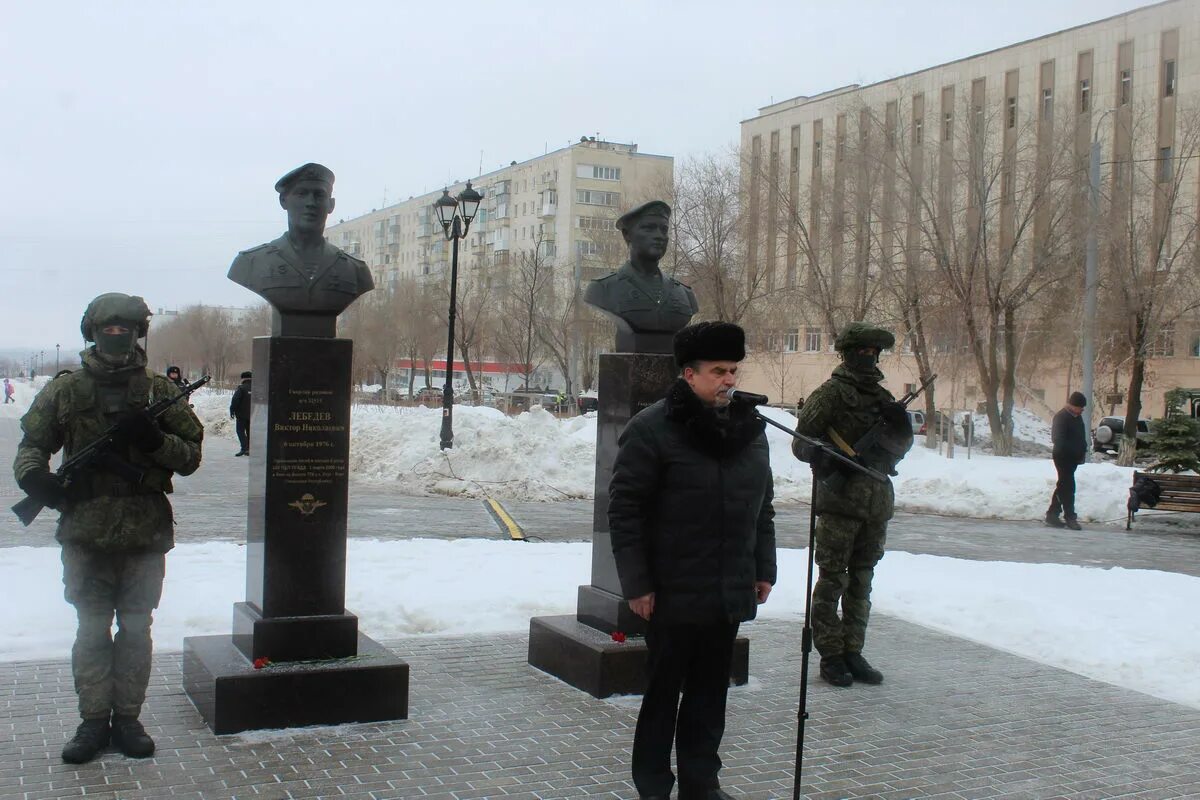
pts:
[239, 406]
[690, 511]
[1069, 437]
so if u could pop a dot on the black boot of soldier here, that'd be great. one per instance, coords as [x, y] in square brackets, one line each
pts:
[835, 671]
[131, 738]
[90, 738]
[862, 671]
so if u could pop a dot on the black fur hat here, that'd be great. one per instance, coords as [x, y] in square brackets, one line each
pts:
[710, 341]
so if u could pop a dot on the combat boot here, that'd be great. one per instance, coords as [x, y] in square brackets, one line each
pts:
[835, 671]
[90, 738]
[862, 671]
[131, 738]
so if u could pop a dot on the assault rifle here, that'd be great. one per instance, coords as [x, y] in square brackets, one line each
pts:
[836, 481]
[100, 453]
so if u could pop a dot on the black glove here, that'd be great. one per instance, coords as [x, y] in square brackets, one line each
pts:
[894, 414]
[822, 463]
[137, 428]
[44, 487]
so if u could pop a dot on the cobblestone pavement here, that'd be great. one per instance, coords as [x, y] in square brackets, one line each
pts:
[953, 721]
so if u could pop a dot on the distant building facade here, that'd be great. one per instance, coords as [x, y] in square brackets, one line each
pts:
[550, 203]
[1088, 81]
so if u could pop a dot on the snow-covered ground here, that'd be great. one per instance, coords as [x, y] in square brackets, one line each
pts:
[535, 456]
[1115, 625]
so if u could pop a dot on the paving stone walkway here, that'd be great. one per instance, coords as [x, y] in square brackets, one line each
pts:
[953, 721]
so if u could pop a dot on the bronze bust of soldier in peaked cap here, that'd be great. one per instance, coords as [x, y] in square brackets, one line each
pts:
[648, 307]
[307, 280]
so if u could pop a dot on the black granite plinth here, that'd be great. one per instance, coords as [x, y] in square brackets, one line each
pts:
[323, 326]
[591, 661]
[293, 638]
[232, 696]
[607, 612]
[299, 455]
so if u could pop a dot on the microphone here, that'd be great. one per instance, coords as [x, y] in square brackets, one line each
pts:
[748, 398]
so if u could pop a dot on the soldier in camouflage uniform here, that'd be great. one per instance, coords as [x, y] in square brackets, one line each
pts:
[852, 508]
[114, 533]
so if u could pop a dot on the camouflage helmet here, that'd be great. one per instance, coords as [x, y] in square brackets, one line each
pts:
[863, 334]
[114, 306]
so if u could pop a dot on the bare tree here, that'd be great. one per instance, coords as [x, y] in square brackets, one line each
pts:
[528, 295]
[1151, 247]
[473, 303]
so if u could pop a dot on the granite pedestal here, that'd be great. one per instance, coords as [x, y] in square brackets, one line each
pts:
[296, 562]
[580, 650]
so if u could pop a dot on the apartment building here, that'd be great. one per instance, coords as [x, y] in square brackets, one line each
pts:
[1058, 92]
[551, 203]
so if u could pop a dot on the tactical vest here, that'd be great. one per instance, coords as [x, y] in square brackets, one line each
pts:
[89, 407]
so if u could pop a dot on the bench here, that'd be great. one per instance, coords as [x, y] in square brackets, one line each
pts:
[1177, 493]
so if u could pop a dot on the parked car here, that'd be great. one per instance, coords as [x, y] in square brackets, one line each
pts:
[429, 394]
[1106, 438]
[588, 401]
[917, 420]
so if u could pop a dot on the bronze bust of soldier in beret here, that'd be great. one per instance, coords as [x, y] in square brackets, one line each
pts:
[648, 307]
[307, 280]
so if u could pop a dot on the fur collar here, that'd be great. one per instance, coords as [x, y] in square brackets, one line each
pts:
[717, 435]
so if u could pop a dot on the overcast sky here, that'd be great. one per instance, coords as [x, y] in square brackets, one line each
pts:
[140, 140]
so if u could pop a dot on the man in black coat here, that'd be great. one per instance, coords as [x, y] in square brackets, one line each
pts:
[693, 535]
[1070, 448]
[239, 410]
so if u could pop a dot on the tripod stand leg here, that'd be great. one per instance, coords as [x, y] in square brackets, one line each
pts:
[805, 642]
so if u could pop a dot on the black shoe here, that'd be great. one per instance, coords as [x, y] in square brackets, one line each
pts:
[1073, 524]
[862, 671]
[240, 453]
[1053, 521]
[835, 671]
[131, 738]
[90, 738]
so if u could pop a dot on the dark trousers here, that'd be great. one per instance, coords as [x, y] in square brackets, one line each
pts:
[1063, 498]
[694, 660]
[243, 433]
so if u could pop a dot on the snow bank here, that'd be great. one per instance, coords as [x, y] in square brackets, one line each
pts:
[535, 456]
[1115, 625]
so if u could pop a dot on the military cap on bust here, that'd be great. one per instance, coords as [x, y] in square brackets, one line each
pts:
[863, 334]
[709, 341]
[308, 172]
[657, 206]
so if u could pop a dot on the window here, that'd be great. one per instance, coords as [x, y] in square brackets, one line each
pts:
[598, 173]
[1047, 103]
[1162, 345]
[812, 340]
[1165, 165]
[909, 388]
[918, 131]
[594, 198]
[1169, 78]
[1126, 87]
[1006, 185]
[840, 152]
[1085, 96]
[791, 340]
[586, 248]
[1012, 112]
[817, 153]
[1040, 394]
[947, 126]
[595, 224]
[1194, 348]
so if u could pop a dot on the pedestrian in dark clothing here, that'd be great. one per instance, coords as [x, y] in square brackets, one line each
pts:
[239, 410]
[176, 377]
[1070, 448]
[693, 536]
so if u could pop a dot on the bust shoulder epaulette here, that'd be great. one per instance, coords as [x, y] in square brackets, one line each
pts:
[252, 250]
[609, 277]
[679, 283]
[354, 259]
[61, 373]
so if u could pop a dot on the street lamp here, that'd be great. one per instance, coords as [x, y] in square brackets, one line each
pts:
[1088, 355]
[455, 216]
[57, 352]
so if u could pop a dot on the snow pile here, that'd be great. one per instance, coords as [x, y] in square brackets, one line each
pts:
[536, 456]
[1028, 429]
[1115, 625]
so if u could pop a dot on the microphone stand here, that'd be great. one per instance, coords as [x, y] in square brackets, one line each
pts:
[806, 634]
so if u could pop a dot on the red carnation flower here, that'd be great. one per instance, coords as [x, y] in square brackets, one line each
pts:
[618, 637]
[262, 661]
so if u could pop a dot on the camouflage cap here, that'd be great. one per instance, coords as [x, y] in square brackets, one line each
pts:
[863, 334]
[114, 306]
[306, 172]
